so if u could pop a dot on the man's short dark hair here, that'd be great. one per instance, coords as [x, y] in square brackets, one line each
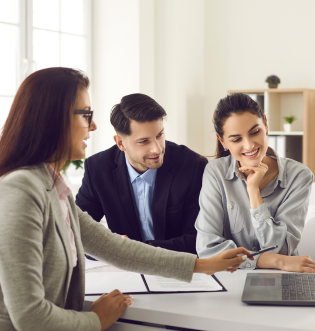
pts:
[138, 107]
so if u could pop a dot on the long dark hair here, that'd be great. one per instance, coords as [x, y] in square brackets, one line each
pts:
[138, 107]
[38, 128]
[236, 103]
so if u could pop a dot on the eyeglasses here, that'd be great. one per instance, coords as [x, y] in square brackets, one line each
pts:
[88, 113]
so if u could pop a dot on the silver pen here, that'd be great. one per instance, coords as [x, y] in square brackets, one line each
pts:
[263, 251]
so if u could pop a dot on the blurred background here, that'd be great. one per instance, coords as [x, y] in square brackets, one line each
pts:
[186, 54]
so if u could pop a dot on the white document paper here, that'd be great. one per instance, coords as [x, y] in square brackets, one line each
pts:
[90, 264]
[281, 145]
[200, 283]
[105, 282]
[272, 142]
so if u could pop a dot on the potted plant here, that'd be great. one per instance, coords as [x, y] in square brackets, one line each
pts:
[289, 120]
[77, 163]
[72, 174]
[273, 81]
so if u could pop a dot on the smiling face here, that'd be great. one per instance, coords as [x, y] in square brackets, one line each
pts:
[245, 135]
[80, 125]
[145, 146]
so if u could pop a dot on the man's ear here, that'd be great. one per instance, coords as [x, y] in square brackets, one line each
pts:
[119, 142]
[221, 141]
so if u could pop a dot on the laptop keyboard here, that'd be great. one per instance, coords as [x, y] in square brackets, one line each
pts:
[298, 287]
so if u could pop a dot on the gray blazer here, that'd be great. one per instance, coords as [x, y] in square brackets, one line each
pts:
[39, 288]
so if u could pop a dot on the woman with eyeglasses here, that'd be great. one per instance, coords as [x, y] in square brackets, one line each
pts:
[44, 234]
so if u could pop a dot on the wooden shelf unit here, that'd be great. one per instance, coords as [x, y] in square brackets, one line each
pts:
[284, 133]
[287, 102]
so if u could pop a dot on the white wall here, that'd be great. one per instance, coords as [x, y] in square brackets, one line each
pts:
[115, 61]
[122, 60]
[186, 54]
[180, 69]
[248, 40]
[151, 47]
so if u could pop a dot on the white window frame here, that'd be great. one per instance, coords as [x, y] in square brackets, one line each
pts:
[25, 62]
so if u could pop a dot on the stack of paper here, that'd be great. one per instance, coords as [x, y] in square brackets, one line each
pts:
[90, 264]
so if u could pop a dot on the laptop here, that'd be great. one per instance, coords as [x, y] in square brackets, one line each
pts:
[285, 289]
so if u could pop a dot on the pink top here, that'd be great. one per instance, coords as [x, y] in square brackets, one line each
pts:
[63, 191]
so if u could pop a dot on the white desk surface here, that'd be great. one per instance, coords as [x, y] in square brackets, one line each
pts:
[217, 311]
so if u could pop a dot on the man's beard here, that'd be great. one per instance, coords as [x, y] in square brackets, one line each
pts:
[146, 157]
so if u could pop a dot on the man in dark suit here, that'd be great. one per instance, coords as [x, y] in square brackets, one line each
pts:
[147, 187]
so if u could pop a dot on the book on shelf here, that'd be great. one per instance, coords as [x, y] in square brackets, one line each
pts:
[259, 98]
[287, 146]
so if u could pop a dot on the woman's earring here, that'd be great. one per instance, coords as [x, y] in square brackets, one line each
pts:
[225, 149]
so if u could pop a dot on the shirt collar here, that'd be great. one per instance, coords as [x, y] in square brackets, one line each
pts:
[148, 176]
[62, 188]
[233, 168]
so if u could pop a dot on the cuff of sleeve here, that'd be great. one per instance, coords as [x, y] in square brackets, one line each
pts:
[249, 264]
[95, 323]
[261, 213]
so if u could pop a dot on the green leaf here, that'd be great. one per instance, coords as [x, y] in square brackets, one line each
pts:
[77, 163]
[290, 119]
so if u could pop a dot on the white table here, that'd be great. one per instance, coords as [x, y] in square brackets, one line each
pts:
[217, 311]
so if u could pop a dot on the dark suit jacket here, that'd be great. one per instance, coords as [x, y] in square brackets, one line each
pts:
[106, 190]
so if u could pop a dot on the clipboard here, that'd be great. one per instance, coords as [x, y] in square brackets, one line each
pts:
[223, 289]
[99, 283]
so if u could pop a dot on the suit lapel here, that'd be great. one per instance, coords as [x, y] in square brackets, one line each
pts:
[77, 287]
[58, 216]
[75, 298]
[77, 235]
[162, 187]
[121, 179]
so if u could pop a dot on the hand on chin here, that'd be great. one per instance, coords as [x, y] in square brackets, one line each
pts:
[252, 163]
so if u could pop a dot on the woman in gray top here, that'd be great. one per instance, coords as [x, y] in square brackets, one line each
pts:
[44, 234]
[250, 196]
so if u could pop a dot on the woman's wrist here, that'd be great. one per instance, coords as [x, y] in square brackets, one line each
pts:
[271, 261]
[253, 190]
[199, 267]
[255, 198]
[281, 260]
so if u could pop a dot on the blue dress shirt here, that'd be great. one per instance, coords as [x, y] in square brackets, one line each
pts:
[143, 188]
